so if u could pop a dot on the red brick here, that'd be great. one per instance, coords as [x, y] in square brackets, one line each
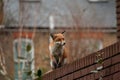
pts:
[63, 70]
[56, 73]
[118, 11]
[69, 68]
[88, 77]
[117, 67]
[103, 72]
[107, 62]
[116, 76]
[59, 79]
[92, 58]
[24, 34]
[118, 45]
[78, 64]
[108, 78]
[116, 48]
[118, 27]
[85, 61]
[81, 78]
[105, 54]
[97, 75]
[75, 65]
[113, 69]
[111, 50]
[77, 74]
[91, 68]
[84, 72]
[64, 78]
[70, 77]
[85, 78]
[116, 59]
[92, 77]
[118, 3]
[107, 71]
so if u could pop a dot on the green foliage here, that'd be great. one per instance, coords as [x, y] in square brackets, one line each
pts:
[38, 73]
[28, 48]
[44, 70]
[98, 69]
[19, 57]
[29, 73]
[99, 61]
[39, 78]
[99, 58]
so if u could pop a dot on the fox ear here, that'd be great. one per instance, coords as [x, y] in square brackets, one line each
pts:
[52, 36]
[63, 32]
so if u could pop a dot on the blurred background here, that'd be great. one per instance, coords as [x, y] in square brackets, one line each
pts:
[90, 25]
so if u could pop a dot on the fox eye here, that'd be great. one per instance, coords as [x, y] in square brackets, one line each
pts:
[59, 39]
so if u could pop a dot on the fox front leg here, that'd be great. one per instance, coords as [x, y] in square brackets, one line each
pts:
[53, 62]
[61, 61]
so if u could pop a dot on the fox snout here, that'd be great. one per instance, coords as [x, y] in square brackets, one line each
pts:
[62, 43]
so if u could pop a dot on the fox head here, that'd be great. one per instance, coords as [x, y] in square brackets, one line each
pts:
[58, 38]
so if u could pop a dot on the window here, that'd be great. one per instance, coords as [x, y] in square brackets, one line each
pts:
[23, 59]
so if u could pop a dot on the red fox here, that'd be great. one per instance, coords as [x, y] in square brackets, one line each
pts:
[58, 54]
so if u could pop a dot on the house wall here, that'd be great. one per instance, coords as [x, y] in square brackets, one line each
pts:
[6, 47]
[41, 43]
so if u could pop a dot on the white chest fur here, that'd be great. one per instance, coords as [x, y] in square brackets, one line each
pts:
[56, 50]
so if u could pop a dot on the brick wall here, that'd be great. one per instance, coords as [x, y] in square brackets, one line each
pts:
[118, 18]
[80, 69]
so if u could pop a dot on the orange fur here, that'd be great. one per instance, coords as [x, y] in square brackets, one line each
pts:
[58, 53]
